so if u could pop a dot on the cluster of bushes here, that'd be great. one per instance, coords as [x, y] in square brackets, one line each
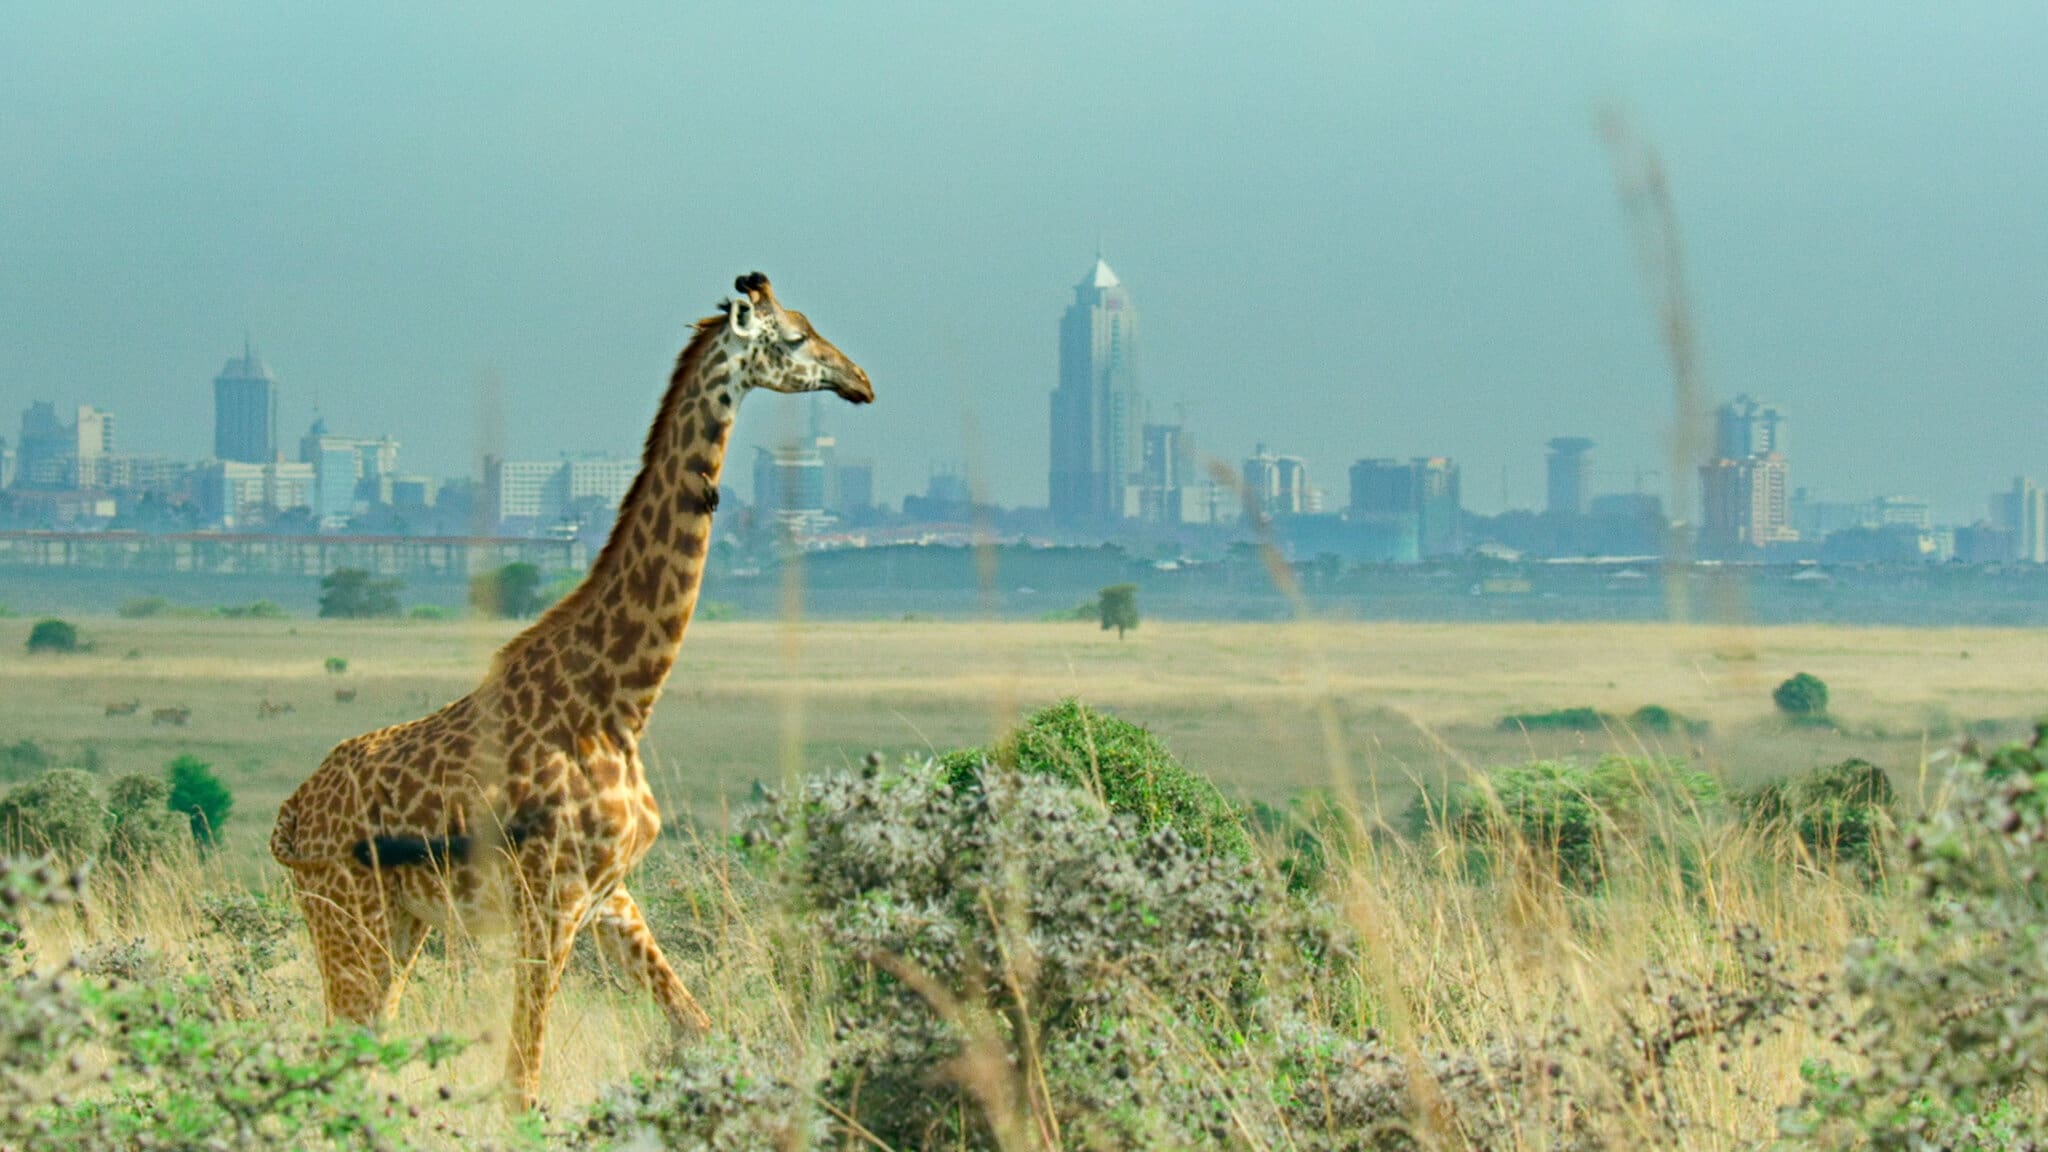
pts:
[1650, 718]
[146, 607]
[140, 819]
[1568, 815]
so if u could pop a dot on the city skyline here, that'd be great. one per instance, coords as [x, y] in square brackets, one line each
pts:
[1374, 231]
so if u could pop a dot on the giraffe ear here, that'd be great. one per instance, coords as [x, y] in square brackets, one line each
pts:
[741, 319]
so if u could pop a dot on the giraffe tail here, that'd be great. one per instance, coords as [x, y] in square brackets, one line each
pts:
[397, 850]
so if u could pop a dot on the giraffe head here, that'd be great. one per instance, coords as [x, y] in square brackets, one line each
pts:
[776, 348]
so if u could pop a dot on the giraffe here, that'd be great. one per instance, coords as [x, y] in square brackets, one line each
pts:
[524, 804]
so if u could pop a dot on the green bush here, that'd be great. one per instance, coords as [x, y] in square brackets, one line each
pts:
[1124, 765]
[511, 592]
[142, 607]
[352, 594]
[1803, 697]
[1556, 720]
[52, 636]
[336, 666]
[59, 813]
[23, 757]
[1310, 838]
[1655, 718]
[141, 828]
[429, 612]
[1842, 813]
[1566, 813]
[198, 795]
[255, 610]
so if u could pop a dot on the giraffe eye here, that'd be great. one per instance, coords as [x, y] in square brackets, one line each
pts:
[796, 341]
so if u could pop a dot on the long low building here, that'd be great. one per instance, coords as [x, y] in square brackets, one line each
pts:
[287, 555]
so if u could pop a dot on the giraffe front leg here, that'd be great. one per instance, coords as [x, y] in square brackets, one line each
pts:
[546, 934]
[623, 934]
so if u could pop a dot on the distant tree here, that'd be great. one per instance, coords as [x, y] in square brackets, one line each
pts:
[53, 636]
[1119, 604]
[142, 607]
[1803, 697]
[336, 666]
[351, 594]
[199, 796]
[513, 591]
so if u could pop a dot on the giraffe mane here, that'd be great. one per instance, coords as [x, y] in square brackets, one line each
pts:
[704, 332]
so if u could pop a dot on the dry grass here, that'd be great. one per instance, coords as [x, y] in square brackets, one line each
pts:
[1256, 707]
[1264, 710]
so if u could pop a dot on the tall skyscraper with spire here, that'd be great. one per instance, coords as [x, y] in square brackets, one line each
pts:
[1098, 414]
[245, 411]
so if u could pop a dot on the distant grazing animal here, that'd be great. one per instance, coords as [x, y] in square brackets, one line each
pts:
[344, 695]
[265, 709]
[527, 797]
[176, 717]
[129, 708]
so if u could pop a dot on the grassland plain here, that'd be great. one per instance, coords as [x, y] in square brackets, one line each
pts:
[1265, 710]
[1245, 703]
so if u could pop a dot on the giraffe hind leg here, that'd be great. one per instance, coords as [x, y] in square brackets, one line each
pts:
[365, 945]
[626, 941]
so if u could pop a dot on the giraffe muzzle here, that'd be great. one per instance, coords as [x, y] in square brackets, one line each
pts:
[854, 388]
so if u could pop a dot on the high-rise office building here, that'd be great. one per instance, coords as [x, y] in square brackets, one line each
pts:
[245, 411]
[2023, 511]
[545, 491]
[1747, 427]
[45, 443]
[1745, 504]
[1098, 415]
[1166, 472]
[1569, 470]
[94, 433]
[1276, 486]
[1440, 506]
[789, 484]
[1422, 500]
[1746, 489]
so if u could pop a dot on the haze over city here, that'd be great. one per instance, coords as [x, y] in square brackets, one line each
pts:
[1352, 232]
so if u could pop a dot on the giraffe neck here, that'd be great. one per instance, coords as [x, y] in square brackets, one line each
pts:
[624, 625]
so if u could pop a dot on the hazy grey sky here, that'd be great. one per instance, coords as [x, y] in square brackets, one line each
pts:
[1351, 229]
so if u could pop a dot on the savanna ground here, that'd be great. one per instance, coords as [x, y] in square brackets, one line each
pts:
[1245, 704]
[1266, 711]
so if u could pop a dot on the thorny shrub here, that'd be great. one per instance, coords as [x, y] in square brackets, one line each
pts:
[713, 1098]
[978, 927]
[90, 1063]
[1951, 1023]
